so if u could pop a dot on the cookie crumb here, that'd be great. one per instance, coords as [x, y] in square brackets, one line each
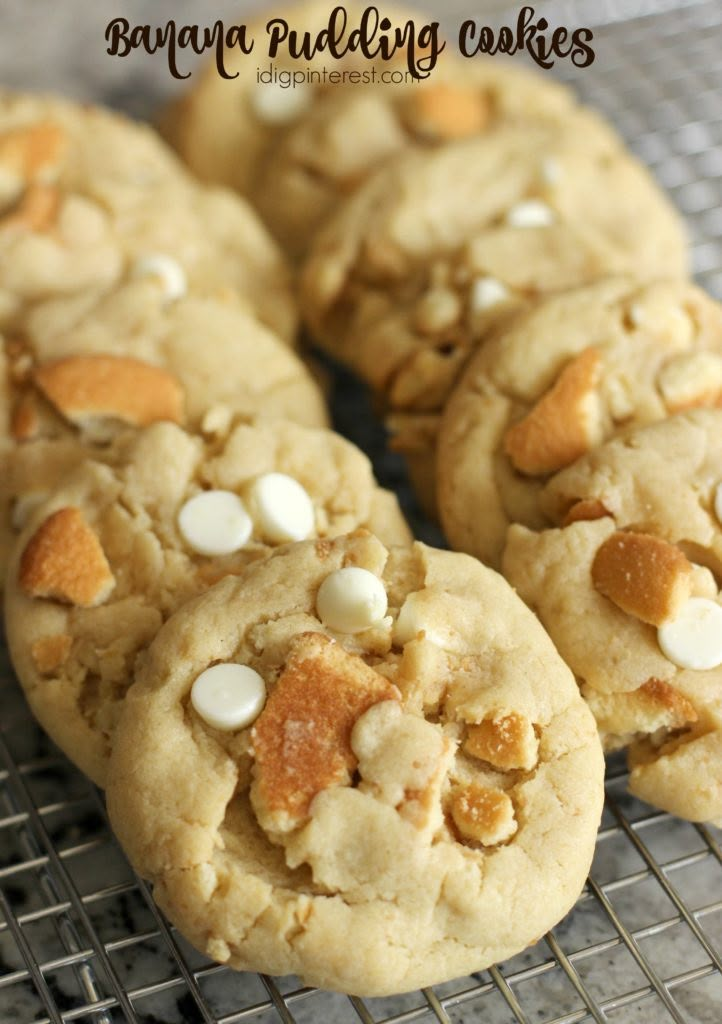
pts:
[483, 815]
[564, 423]
[50, 652]
[507, 742]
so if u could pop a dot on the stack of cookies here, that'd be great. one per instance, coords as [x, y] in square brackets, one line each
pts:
[220, 617]
[512, 285]
[333, 751]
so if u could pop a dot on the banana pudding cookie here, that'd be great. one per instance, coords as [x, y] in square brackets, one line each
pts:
[628, 587]
[347, 741]
[78, 371]
[125, 540]
[438, 246]
[409, 274]
[556, 381]
[89, 199]
[297, 150]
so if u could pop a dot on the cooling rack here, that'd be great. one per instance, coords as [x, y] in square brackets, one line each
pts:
[80, 938]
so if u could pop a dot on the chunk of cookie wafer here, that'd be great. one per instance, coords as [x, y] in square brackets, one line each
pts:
[505, 742]
[33, 152]
[564, 423]
[483, 814]
[84, 388]
[63, 561]
[302, 740]
[643, 575]
[37, 210]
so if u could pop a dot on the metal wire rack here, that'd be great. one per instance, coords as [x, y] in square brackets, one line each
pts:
[80, 937]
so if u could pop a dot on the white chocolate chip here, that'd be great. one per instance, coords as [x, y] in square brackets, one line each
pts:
[694, 639]
[551, 171]
[531, 213]
[275, 104]
[228, 696]
[168, 271]
[351, 600]
[486, 293]
[215, 523]
[281, 508]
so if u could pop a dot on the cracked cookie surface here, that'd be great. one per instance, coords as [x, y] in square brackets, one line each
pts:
[109, 556]
[88, 199]
[408, 278]
[558, 380]
[77, 372]
[439, 247]
[630, 594]
[428, 787]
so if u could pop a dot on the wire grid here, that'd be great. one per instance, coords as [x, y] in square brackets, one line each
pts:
[80, 938]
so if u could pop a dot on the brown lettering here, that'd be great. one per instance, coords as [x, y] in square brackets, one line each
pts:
[374, 37]
[530, 36]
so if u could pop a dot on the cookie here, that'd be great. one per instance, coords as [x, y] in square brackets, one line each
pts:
[559, 379]
[125, 539]
[438, 247]
[400, 756]
[406, 279]
[298, 152]
[628, 587]
[89, 200]
[77, 370]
